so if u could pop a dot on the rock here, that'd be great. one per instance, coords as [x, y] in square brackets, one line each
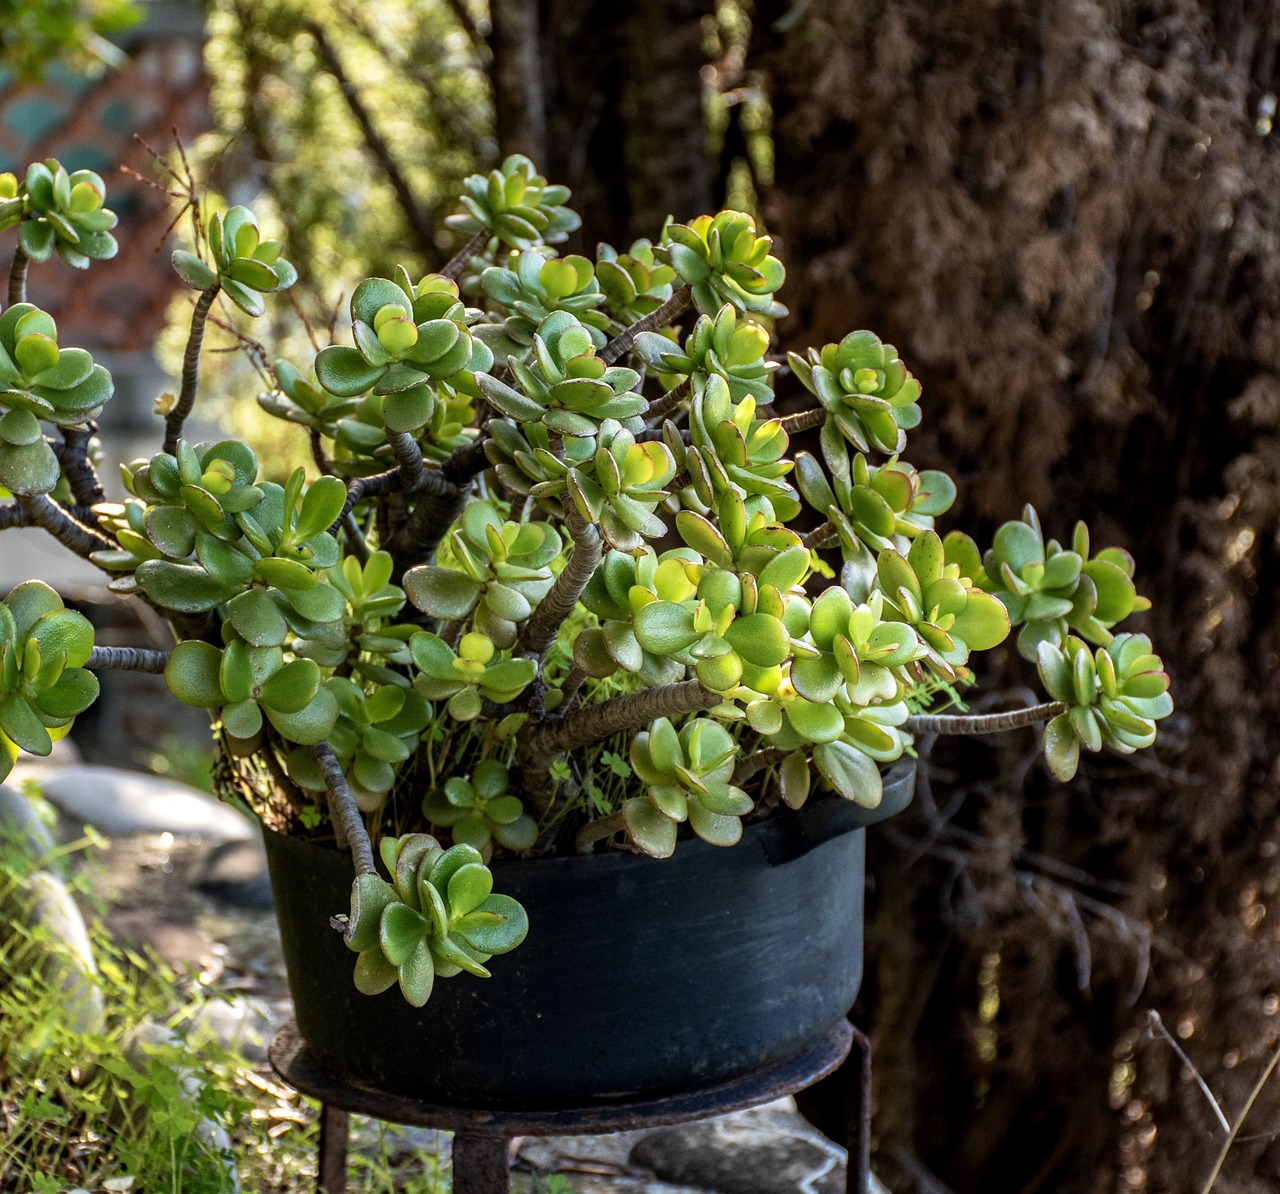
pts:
[60, 949]
[116, 801]
[236, 874]
[20, 823]
[605, 1154]
[770, 1150]
[240, 1023]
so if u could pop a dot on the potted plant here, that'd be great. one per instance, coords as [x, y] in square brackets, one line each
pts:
[561, 601]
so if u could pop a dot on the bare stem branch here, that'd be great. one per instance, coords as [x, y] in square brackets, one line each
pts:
[55, 519]
[18, 276]
[409, 461]
[594, 723]
[594, 831]
[820, 537]
[128, 659]
[540, 630]
[343, 809]
[803, 421]
[190, 371]
[458, 262]
[661, 407]
[73, 456]
[984, 723]
[771, 756]
[675, 306]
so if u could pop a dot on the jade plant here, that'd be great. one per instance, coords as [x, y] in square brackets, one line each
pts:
[560, 580]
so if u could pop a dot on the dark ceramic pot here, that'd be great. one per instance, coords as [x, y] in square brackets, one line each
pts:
[638, 977]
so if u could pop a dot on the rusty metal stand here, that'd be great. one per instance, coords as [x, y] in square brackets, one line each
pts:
[482, 1139]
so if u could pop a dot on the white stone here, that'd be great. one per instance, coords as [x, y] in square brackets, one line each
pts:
[116, 801]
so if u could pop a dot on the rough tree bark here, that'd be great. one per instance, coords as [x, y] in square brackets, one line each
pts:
[1067, 217]
[617, 95]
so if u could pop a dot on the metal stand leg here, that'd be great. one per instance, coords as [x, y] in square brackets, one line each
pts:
[858, 1115]
[480, 1164]
[332, 1175]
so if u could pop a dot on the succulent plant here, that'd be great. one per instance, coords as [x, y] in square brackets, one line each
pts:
[439, 918]
[722, 260]
[481, 810]
[1114, 695]
[515, 204]
[723, 347]
[864, 388]
[687, 777]
[566, 386]
[500, 571]
[567, 593]
[1049, 590]
[534, 287]
[467, 677]
[406, 338]
[41, 381]
[57, 210]
[242, 265]
[43, 682]
[634, 283]
[949, 614]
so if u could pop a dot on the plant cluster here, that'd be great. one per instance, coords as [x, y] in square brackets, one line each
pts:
[561, 536]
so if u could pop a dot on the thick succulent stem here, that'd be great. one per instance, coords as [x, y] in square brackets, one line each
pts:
[597, 722]
[417, 540]
[354, 539]
[594, 831]
[758, 761]
[73, 456]
[458, 262]
[982, 723]
[465, 462]
[128, 659]
[18, 276]
[186, 400]
[47, 514]
[675, 306]
[359, 488]
[14, 515]
[820, 537]
[803, 421]
[661, 407]
[343, 809]
[409, 462]
[540, 630]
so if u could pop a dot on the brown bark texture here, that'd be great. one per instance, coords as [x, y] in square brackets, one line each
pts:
[1067, 217]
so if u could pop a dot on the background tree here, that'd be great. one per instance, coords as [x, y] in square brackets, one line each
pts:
[1066, 218]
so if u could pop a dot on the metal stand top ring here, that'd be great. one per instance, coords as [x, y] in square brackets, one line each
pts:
[298, 1066]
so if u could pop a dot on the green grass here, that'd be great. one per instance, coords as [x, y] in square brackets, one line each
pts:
[75, 1114]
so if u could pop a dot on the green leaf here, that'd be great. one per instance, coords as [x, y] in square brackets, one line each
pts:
[192, 674]
[258, 619]
[28, 469]
[418, 975]
[983, 623]
[344, 372]
[650, 829]
[442, 592]
[400, 930]
[74, 691]
[850, 772]
[320, 507]
[293, 687]
[373, 973]
[1061, 748]
[664, 628]
[185, 588]
[759, 639]
[20, 722]
[312, 724]
[469, 887]
[369, 896]
[814, 722]
[193, 271]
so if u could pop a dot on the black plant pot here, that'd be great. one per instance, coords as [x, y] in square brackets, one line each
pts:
[638, 976]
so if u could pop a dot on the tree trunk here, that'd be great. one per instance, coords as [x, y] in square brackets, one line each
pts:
[1067, 217]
